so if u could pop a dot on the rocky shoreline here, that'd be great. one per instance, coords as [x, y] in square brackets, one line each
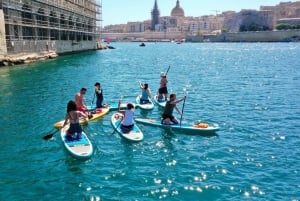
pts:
[25, 58]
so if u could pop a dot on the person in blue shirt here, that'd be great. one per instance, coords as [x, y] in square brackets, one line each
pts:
[146, 93]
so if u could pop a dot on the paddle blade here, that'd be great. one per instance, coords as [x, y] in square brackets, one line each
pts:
[49, 136]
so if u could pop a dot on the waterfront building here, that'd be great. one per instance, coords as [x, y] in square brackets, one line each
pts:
[32, 26]
[283, 10]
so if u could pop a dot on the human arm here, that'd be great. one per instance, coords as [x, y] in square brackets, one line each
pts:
[66, 120]
[178, 101]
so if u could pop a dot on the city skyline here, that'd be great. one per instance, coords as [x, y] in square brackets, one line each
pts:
[137, 10]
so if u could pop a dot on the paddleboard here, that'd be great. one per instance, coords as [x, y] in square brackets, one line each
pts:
[195, 128]
[98, 114]
[112, 106]
[81, 148]
[161, 103]
[135, 135]
[146, 106]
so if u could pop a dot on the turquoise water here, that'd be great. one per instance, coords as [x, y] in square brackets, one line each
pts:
[250, 90]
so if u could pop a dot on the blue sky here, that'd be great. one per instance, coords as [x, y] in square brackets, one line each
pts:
[121, 11]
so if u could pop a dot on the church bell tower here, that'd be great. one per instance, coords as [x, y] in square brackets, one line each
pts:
[154, 16]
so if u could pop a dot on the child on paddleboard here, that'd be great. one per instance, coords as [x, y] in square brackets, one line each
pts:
[99, 95]
[72, 117]
[167, 116]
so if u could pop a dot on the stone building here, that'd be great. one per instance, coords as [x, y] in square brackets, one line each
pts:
[248, 20]
[283, 10]
[42, 25]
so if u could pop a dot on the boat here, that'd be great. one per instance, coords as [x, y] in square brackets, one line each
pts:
[145, 106]
[134, 135]
[80, 148]
[96, 115]
[199, 128]
[142, 44]
[161, 103]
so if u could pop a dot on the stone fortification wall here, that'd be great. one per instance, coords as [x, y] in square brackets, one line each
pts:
[263, 36]
[3, 50]
[144, 35]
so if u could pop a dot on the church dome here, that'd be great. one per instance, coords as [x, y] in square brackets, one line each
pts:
[177, 11]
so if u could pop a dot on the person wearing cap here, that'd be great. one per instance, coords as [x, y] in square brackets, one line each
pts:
[99, 95]
[163, 90]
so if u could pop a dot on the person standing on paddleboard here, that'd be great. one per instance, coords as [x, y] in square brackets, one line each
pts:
[163, 90]
[99, 95]
[167, 116]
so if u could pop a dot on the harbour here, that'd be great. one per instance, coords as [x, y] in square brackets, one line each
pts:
[251, 90]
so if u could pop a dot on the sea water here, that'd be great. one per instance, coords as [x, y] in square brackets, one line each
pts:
[250, 89]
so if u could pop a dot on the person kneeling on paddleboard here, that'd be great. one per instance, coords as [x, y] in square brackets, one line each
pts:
[72, 116]
[167, 116]
[146, 94]
[128, 120]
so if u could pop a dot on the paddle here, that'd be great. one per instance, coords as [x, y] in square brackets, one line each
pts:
[182, 110]
[167, 71]
[49, 136]
[115, 129]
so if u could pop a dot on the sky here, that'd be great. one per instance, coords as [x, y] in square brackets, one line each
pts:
[121, 11]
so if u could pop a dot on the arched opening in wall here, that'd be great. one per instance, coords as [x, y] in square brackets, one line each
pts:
[16, 30]
[41, 18]
[27, 15]
[63, 21]
[27, 19]
[72, 35]
[42, 21]
[90, 27]
[78, 24]
[84, 25]
[71, 23]
[78, 36]
[54, 25]
[63, 35]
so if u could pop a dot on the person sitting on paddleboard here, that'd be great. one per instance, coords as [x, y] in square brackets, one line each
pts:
[128, 120]
[163, 90]
[167, 116]
[146, 94]
[72, 116]
[99, 95]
